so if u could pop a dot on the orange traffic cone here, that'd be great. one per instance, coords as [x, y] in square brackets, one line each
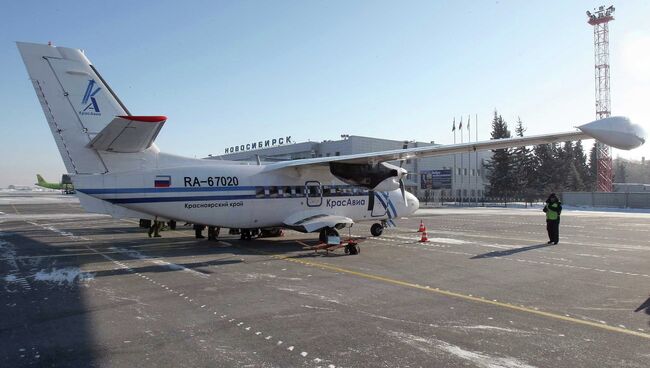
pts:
[422, 228]
[424, 237]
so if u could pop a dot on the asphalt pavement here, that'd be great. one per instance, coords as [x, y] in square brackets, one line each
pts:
[81, 290]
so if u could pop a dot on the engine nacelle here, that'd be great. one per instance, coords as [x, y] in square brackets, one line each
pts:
[616, 131]
[387, 185]
[381, 177]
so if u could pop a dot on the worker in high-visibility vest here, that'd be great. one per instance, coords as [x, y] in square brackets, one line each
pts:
[553, 208]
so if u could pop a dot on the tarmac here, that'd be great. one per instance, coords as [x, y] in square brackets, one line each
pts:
[86, 290]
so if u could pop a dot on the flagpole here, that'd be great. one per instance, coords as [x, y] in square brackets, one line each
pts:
[476, 154]
[453, 129]
[460, 127]
[469, 161]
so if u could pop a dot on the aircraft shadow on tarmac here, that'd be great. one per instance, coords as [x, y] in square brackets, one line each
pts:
[509, 252]
[43, 323]
[645, 306]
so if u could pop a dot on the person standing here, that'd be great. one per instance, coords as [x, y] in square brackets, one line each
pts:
[213, 232]
[198, 231]
[154, 228]
[553, 208]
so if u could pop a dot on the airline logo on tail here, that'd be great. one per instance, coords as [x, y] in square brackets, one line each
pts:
[89, 101]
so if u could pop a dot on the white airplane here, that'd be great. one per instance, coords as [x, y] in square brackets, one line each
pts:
[118, 170]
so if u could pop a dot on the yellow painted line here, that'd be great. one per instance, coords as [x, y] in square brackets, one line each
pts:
[461, 296]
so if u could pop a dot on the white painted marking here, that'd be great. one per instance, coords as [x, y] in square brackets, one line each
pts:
[290, 348]
[304, 353]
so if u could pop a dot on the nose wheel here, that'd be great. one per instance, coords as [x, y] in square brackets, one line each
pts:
[376, 229]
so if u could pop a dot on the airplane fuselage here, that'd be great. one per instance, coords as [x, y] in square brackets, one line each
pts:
[242, 196]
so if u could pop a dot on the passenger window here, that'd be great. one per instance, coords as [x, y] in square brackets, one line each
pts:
[273, 192]
[259, 192]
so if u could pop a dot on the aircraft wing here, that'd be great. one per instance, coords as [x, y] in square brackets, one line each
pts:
[617, 131]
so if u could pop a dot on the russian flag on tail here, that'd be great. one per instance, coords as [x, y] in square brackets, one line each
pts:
[162, 181]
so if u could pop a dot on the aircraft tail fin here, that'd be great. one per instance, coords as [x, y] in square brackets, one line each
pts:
[78, 104]
[40, 180]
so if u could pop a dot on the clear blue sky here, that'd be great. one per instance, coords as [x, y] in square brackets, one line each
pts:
[228, 72]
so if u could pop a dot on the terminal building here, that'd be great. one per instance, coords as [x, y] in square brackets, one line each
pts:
[433, 178]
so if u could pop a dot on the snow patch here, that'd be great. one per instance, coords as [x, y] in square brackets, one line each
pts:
[62, 276]
[480, 359]
[492, 328]
[172, 266]
[449, 241]
[11, 278]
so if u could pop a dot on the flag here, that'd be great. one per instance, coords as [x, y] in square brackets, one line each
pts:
[453, 126]
[162, 181]
[468, 120]
[460, 125]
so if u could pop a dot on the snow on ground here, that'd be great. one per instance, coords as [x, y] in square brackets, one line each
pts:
[62, 276]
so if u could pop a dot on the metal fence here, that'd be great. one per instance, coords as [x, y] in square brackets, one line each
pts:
[613, 200]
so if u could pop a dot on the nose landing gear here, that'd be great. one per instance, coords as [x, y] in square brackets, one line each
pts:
[376, 229]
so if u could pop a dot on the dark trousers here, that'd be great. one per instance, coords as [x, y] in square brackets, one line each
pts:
[553, 229]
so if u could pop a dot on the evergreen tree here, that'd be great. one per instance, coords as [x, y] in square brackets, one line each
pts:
[593, 167]
[501, 180]
[619, 173]
[549, 169]
[580, 161]
[574, 182]
[524, 167]
[565, 159]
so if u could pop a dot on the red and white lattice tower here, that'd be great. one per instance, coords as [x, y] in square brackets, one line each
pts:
[600, 19]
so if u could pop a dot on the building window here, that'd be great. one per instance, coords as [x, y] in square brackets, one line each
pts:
[338, 153]
[328, 154]
[408, 161]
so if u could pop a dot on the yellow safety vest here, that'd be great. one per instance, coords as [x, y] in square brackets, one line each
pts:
[551, 211]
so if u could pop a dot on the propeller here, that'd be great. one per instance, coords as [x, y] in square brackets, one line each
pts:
[401, 178]
[401, 188]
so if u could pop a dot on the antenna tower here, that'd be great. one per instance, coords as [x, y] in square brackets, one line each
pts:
[600, 19]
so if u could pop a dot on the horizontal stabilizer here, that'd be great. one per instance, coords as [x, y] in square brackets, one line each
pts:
[128, 134]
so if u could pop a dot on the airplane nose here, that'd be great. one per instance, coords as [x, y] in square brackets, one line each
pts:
[413, 202]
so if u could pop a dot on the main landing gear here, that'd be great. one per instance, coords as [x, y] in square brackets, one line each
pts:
[376, 229]
[246, 234]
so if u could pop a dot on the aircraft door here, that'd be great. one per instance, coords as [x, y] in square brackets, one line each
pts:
[377, 205]
[314, 193]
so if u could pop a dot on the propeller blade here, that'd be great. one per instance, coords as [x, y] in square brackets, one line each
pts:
[401, 188]
[371, 200]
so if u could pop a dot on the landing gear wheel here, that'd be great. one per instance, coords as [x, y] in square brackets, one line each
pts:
[246, 234]
[352, 249]
[376, 229]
